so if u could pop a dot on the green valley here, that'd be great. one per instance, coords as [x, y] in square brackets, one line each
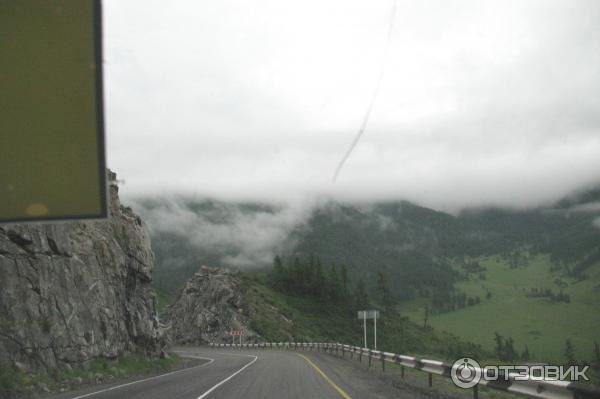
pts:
[538, 322]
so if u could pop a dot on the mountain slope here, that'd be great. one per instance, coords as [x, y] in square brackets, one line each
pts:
[412, 245]
[216, 301]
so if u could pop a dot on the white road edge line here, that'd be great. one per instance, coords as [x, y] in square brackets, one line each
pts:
[205, 394]
[148, 379]
[234, 354]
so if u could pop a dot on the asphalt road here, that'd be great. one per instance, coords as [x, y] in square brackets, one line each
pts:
[263, 374]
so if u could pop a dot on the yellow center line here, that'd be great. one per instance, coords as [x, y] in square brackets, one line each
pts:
[333, 384]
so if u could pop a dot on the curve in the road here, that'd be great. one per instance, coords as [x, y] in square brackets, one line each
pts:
[205, 394]
[256, 374]
[210, 360]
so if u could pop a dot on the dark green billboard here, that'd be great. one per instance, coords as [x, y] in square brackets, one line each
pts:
[52, 162]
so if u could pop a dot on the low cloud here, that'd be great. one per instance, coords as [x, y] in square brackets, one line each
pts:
[240, 235]
[482, 103]
[589, 207]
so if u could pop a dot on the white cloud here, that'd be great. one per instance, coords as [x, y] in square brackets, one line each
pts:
[244, 238]
[482, 102]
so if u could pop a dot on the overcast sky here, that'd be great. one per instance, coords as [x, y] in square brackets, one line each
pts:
[482, 102]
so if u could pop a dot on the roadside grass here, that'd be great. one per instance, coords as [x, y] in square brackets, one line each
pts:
[18, 383]
[443, 385]
[12, 379]
[126, 366]
[536, 322]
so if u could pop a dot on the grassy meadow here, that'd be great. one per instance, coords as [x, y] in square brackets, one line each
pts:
[536, 322]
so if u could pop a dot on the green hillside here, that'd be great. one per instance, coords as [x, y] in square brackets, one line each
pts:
[412, 245]
[415, 246]
[513, 310]
[315, 319]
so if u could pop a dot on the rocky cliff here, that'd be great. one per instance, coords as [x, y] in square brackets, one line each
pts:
[74, 291]
[209, 306]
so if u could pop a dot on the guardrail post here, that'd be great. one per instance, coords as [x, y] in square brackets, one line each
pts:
[402, 371]
[476, 392]
[360, 356]
[382, 362]
[370, 358]
[430, 379]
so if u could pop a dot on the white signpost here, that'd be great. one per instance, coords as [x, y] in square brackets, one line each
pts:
[369, 314]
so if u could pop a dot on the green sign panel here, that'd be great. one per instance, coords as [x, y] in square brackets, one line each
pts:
[52, 163]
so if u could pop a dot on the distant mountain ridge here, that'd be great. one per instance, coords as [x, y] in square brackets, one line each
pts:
[409, 243]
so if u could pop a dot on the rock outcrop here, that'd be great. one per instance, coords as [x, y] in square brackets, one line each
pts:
[209, 307]
[74, 291]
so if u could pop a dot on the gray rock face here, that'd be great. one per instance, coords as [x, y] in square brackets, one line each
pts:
[73, 291]
[209, 307]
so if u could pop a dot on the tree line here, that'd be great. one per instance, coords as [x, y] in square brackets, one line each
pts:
[548, 293]
[448, 301]
[310, 277]
[505, 351]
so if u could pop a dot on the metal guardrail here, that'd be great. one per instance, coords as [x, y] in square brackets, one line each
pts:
[544, 389]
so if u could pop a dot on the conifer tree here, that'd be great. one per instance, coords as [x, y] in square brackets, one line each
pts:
[499, 345]
[333, 281]
[384, 291]
[526, 356]
[570, 353]
[344, 273]
[362, 299]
